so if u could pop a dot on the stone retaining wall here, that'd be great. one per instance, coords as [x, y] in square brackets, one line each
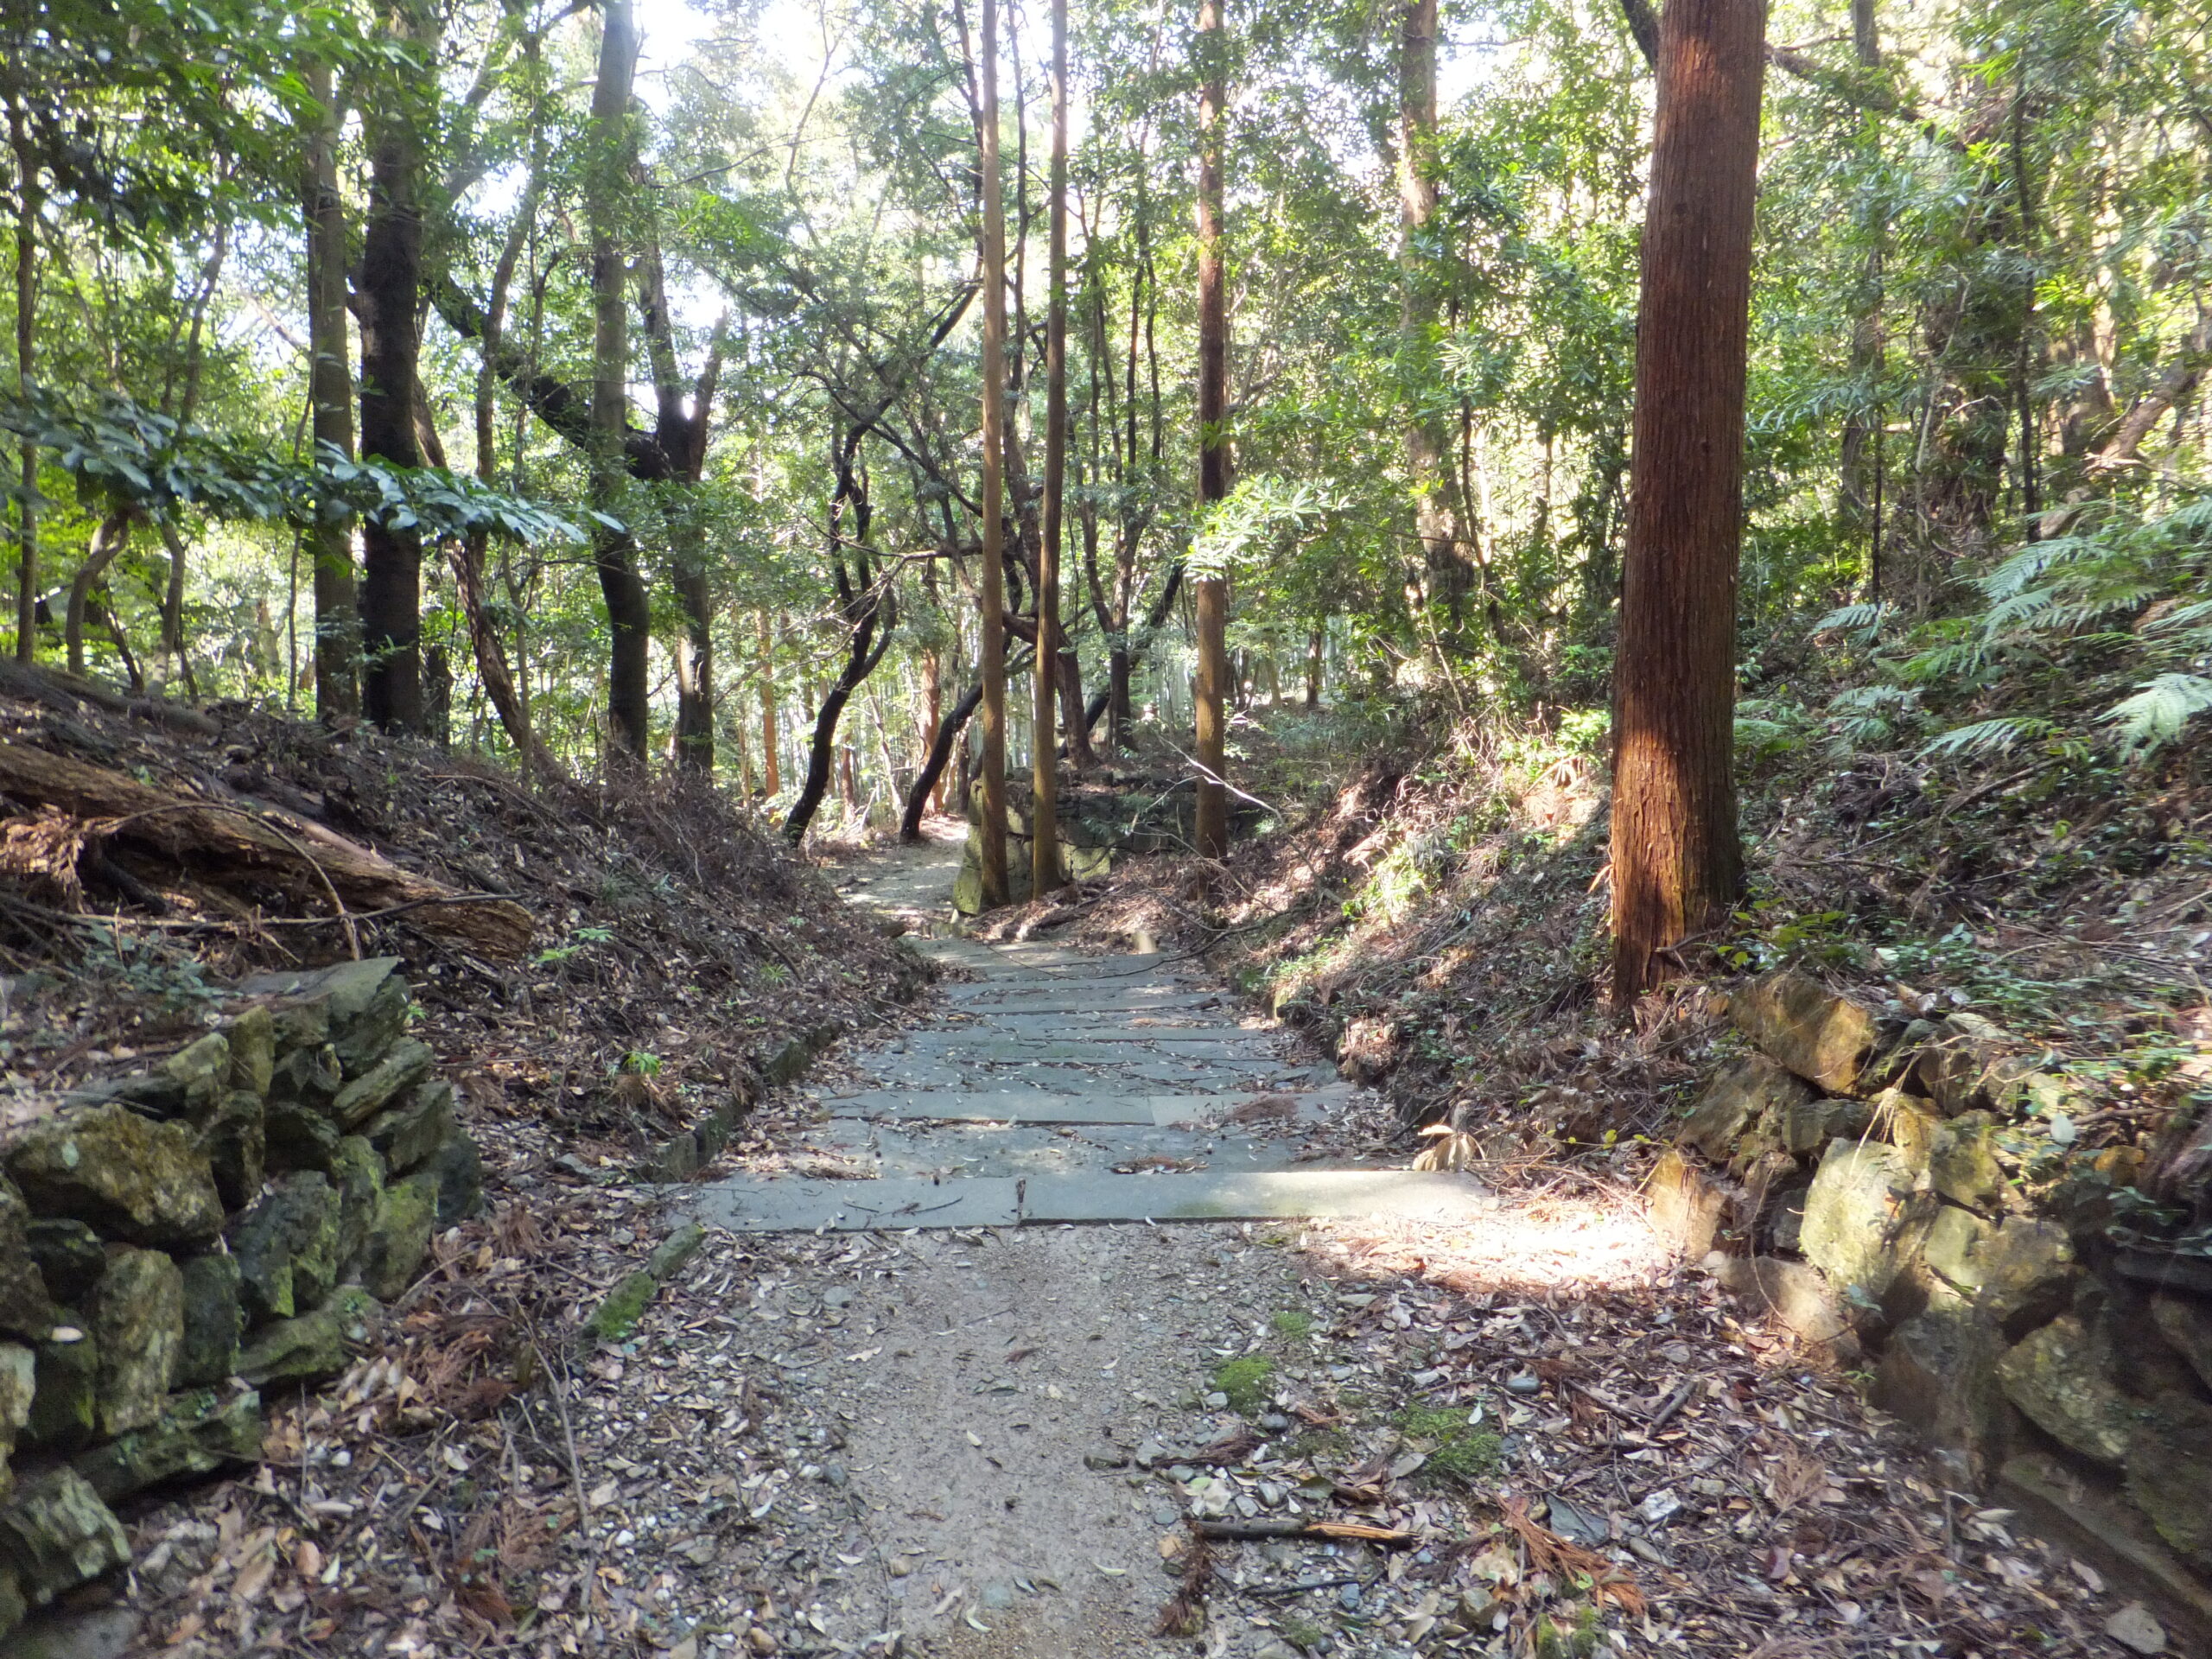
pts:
[1908, 1191]
[173, 1241]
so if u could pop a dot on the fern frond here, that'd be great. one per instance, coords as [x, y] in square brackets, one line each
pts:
[1984, 738]
[1865, 620]
[2154, 716]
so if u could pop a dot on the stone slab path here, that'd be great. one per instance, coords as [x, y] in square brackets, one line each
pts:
[1058, 1086]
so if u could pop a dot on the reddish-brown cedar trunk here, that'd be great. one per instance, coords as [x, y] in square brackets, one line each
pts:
[1209, 729]
[330, 382]
[1677, 864]
[994, 885]
[1044, 818]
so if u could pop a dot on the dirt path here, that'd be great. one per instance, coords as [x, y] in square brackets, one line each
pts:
[851, 1428]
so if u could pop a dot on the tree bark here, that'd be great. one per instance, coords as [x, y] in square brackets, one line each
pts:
[330, 393]
[948, 733]
[614, 552]
[388, 289]
[1677, 864]
[29, 199]
[1045, 787]
[993, 599]
[771, 777]
[1210, 731]
[112, 535]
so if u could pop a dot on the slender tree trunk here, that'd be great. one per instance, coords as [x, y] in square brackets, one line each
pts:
[948, 733]
[112, 535]
[1210, 725]
[1857, 485]
[1045, 787]
[629, 614]
[772, 780]
[1677, 862]
[28, 200]
[1313, 668]
[389, 284]
[993, 883]
[1428, 441]
[330, 392]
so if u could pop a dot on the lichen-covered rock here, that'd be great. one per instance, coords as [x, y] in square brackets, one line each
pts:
[233, 1136]
[1686, 1209]
[358, 1173]
[1823, 1038]
[25, 1309]
[1740, 1095]
[197, 1434]
[399, 1237]
[71, 1257]
[1962, 1162]
[55, 1534]
[253, 1049]
[458, 1169]
[1811, 1124]
[1790, 1291]
[406, 1134]
[2061, 1378]
[214, 1320]
[2170, 1473]
[1969, 1067]
[362, 1028]
[300, 1136]
[1910, 1123]
[200, 1071]
[2027, 1272]
[1861, 1224]
[287, 1247]
[65, 1397]
[359, 1006]
[312, 1346]
[139, 1181]
[1952, 1248]
[1937, 1374]
[406, 1064]
[137, 1318]
[2186, 1323]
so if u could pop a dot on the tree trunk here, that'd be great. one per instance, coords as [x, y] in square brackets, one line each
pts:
[1045, 787]
[330, 392]
[864, 652]
[1677, 862]
[772, 780]
[948, 733]
[994, 873]
[1428, 441]
[1209, 722]
[614, 553]
[1857, 488]
[390, 284]
[112, 535]
[1313, 668]
[29, 199]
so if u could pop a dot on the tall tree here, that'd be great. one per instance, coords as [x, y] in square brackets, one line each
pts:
[330, 395]
[1677, 862]
[1045, 843]
[1210, 721]
[614, 551]
[387, 293]
[1428, 439]
[993, 602]
[28, 200]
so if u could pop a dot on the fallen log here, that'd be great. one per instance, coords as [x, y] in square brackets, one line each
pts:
[1342, 1531]
[233, 848]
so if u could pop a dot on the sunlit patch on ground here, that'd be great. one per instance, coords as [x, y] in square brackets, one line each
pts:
[1547, 1243]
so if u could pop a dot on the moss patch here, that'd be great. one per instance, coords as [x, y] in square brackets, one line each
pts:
[1455, 1450]
[1293, 1323]
[1245, 1382]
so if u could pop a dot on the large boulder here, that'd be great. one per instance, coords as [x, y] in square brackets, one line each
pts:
[358, 1173]
[25, 1309]
[253, 1049]
[1686, 1209]
[200, 1072]
[2170, 1473]
[55, 1534]
[1824, 1037]
[406, 1064]
[1963, 1162]
[1790, 1291]
[1952, 1248]
[1971, 1067]
[1937, 1376]
[137, 1318]
[399, 1237]
[287, 1247]
[2060, 1377]
[359, 1008]
[314, 1347]
[1861, 1223]
[214, 1320]
[137, 1180]
[196, 1434]
[2027, 1272]
[309, 1077]
[405, 1135]
[1741, 1094]
[301, 1136]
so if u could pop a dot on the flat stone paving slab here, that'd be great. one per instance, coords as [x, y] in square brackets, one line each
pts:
[1013, 1106]
[773, 1205]
[782, 1204]
[983, 1045]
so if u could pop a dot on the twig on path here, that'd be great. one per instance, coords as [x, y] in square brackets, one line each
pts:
[1341, 1531]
